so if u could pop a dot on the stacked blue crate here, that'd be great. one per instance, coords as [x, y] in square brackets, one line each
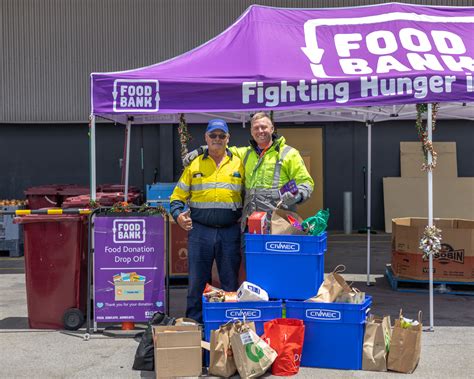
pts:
[286, 266]
[334, 333]
[217, 314]
[159, 194]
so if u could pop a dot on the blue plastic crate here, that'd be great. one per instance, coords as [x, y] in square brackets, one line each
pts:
[217, 314]
[158, 203]
[159, 191]
[286, 266]
[334, 333]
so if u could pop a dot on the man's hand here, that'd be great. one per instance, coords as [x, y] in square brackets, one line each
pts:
[185, 221]
[192, 155]
[288, 198]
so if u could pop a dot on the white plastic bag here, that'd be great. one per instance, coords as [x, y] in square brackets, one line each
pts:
[251, 292]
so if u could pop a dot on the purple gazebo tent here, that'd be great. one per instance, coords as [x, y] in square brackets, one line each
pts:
[366, 64]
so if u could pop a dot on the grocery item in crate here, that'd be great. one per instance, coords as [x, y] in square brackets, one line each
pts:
[294, 222]
[317, 224]
[355, 296]
[377, 338]
[405, 345]
[333, 286]
[251, 292]
[280, 223]
[230, 297]
[213, 294]
[253, 356]
[257, 223]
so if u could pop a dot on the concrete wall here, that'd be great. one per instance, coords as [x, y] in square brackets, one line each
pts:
[43, 154]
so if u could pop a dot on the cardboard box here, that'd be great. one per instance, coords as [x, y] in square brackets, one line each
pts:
[177, 351]
[125, 290]
[257, 223]
[408, 197]
[455, 262]
[411, 159]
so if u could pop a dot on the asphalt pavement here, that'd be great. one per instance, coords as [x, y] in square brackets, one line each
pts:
[447, 352]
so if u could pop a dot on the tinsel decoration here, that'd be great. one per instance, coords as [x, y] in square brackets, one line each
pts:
[152, 210]
[430, 243]
[125, 207]
[422, 129]
[120, 207]
[184, 135]
[93, 204]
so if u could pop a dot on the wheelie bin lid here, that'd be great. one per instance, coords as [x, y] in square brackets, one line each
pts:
[50, 189]
[31, 219]
[74, 190]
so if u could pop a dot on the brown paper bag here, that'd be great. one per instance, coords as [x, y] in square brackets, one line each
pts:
[333, 286]
[221, 361]
[405, 346]
[355, 296]
[280, 225]
[376, 343]
[253, 356]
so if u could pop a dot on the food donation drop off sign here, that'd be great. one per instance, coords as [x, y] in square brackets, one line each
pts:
[128, 268]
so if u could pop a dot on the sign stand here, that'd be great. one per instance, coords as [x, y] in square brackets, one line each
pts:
[139, 282]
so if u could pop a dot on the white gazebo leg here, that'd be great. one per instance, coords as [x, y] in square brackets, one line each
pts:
[430, 209]
[93, 178]
[369, 194]
[128, 130]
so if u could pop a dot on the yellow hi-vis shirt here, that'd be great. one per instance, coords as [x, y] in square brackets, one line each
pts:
[214, 194]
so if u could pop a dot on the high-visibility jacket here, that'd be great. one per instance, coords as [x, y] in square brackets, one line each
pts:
[266, 174]
[214, 194]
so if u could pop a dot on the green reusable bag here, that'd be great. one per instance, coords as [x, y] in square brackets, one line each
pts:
[316, 224]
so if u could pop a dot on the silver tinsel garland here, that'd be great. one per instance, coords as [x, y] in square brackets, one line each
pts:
[430, 243]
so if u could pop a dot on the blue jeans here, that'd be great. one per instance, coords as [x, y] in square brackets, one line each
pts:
[206, 243]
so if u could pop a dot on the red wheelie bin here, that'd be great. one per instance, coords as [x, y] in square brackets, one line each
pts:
[56, 270]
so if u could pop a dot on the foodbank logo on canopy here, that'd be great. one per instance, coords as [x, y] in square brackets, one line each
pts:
[136, 95]
[129, 230]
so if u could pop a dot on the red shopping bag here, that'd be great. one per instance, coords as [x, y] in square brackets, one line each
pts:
[286, 337]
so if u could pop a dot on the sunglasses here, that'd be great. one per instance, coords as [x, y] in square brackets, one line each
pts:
[214, 136]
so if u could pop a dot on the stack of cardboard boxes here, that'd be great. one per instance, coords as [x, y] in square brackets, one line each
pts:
[407, 196]
[406, 200]
[454, 263]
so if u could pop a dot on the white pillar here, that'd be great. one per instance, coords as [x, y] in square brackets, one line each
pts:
[369, 194]
[430, 209]
[93, 178]
[128, 130]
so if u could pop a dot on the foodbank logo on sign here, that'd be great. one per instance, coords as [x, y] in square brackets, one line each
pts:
[128, 230]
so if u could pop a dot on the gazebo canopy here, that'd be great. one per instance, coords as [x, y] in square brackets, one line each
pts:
[306, 59]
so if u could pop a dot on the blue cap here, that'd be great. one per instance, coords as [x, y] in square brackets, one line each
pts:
[216, 124]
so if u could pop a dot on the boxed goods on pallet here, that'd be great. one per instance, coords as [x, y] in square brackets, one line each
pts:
[455, 261]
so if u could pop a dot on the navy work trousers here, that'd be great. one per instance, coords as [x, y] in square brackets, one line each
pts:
[206, 243]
